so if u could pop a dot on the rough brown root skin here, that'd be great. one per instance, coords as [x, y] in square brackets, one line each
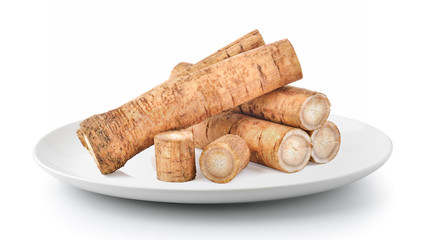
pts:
[175, 156]
[118, 135]
[326, 143]
[277, 146]
[199, 133]
[292, 106]
[224, 158]
[247, 42]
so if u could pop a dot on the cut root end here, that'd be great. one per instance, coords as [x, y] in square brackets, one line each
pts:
[218, 163]
[91, 151]
[326, 143]
[224, 158]
[314, 112]
[294, 151]
[174, 136]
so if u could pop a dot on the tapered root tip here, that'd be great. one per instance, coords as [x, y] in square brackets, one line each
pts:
[326, 143]
[294, 151]
[314, 112]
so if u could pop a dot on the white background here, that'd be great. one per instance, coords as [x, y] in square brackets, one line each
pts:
[63, 61]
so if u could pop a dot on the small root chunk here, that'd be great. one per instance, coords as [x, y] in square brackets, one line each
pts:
[175, 156]
[224, 158]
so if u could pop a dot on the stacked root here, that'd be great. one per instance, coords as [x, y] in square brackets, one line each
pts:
[326, 143]
[274, 145]
[302, 132]
[301, 112]
[292, 106]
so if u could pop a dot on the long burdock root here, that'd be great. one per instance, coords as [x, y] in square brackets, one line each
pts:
[293, 106]
[175, 156]
[247, 42]
[114, 137]
[326, 143]
[277, 146]
[224, 158]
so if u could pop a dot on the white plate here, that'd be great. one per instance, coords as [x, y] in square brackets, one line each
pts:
[363, 150]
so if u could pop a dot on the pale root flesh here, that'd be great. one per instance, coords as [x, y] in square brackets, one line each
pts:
[326, 143]
[224, 158]
[314, 111]
[294, 151]
[174, 136]
[175, 156]
[88, 146]
[217, 163]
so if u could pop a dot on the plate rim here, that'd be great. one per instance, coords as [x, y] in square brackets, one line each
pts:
[356, 175]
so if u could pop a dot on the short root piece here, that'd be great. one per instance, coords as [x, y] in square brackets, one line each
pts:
[224, 158]
[175, 156]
